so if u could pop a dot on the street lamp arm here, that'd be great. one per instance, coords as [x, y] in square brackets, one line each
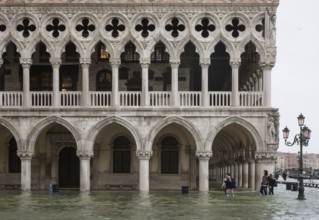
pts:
[296, 141]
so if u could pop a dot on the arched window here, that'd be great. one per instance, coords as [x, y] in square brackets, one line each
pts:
[130, 55]
[14, 160]
[169, 155]
[104, 80]
[121, 155]
[159, 55]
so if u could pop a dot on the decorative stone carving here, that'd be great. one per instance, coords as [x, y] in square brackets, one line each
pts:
[25, 154]
[144, 155]
[265, 155]
[204, 155]
[84, 155]
[26, 61]
[85, 61]
[55, 61]
[145, 61]
[273, 127]
[115, 62]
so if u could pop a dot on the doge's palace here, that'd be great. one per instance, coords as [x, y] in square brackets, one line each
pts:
[136, 94]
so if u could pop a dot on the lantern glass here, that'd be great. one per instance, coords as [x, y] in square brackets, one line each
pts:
[285, 133]
[301, 120]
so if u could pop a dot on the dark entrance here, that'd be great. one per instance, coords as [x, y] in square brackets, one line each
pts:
[69, 168]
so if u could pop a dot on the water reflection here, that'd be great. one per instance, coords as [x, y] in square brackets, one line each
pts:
[156, 205]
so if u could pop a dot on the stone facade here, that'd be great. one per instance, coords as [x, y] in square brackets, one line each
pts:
[152, 100]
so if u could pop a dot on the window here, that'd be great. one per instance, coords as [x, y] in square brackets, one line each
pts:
[14, 160]
[104, 80]
[159, 55]
[40, 78]
[169, 155]
[103, 55]
[121, 155]
[130, 55]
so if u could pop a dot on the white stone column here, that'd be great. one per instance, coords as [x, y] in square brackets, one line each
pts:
[174, 85]
[240, 174]
[85, 62]
[252, 176]
[144, 157]
[267, 85]
[145, 63]
[25, 157]
[259, 79]
[85, 157]
[203, 158]
[245, 174]
[235, 175]
[56, 62]
[205, 64]
[115, 63]
[26, 64]
[232, 170]
[235, 94]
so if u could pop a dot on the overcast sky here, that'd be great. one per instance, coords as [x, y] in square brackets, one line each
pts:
[295, 78]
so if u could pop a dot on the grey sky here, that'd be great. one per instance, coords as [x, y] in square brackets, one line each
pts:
[295, 86]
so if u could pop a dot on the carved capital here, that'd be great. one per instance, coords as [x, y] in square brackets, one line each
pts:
[26, 62]
[265, 155]
[174, 62]
[144, 155]
[234, 63]
[55, 61]
[204, 155]
[84, 155]
[145, 62]
[205, 62]
[25, 154]
[86, 61]
[115, 62]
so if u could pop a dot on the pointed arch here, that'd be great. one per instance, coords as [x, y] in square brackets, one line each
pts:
[32, 45]
[234, 120]
[62, 45]
[92, 45]
[14, 132]
[230, 49]
[117, 120]
[181, 47]
[125, 41]
[169, 47]
[174, 120]
[5, 43]
[33, 135]
[259, 47]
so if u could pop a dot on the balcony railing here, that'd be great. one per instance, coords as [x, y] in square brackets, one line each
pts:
[131, 99]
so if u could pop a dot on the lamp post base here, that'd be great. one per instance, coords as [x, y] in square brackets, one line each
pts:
[301, 195]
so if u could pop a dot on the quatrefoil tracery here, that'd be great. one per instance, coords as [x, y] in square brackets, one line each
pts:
[145, 27]
[175, 27]
[26, 27]
[85, 27]
[235, 27]
[115, 27]
[55, 27]
[261, 27]
[2, 28]
[205, 28]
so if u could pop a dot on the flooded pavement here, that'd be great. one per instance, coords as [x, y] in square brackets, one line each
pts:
[158, 205]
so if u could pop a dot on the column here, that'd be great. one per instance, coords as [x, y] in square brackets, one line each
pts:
[145, 96]
[232, 170]
[25, 157]
[26, 63]
[85, 62]
[1, 62]
[267, 85]
[203, 158]
[85, 157]
[252, 177]
[115, 63]
[240, 174]
[259, 80]
[205, 64]
[235, 175]
[56, 62]
[245, 174]
[174, 85]
[144, 157]
[235, 94]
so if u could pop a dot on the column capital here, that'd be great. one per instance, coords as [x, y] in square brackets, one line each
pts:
[55, 61]
[26, 62]
[86, 61]
[235, 63]
[175, 62]
[144, 155]
[25, 154]
[267, 65]
[115, 62]
[145, 62]
[265, 155]
[205, 62]
[84, 155]
[204, 155]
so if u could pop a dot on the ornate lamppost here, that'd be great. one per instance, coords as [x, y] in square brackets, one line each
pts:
[302, 138]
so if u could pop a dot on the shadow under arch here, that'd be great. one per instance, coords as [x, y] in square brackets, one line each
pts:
[117, 120]
[177, 120]
[33, 135]
[14, 132]
[234, 120]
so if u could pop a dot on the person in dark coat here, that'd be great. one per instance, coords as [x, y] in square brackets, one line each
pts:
[230, 186]
[264, 183]
[272, 183]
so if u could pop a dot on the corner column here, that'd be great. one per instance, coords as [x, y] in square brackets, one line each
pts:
[85, 157]
[203, 158]
[267, 85]
[144, 157]
[85, 62]
[245, 174]
[115, 63]
[235, 93]
[174, 83]
[25, 157]
[145, 63]
[26, 64]
[252, 177]
[56, 62]
[205, 64]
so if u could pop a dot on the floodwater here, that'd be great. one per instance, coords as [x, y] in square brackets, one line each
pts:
[158, 205]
